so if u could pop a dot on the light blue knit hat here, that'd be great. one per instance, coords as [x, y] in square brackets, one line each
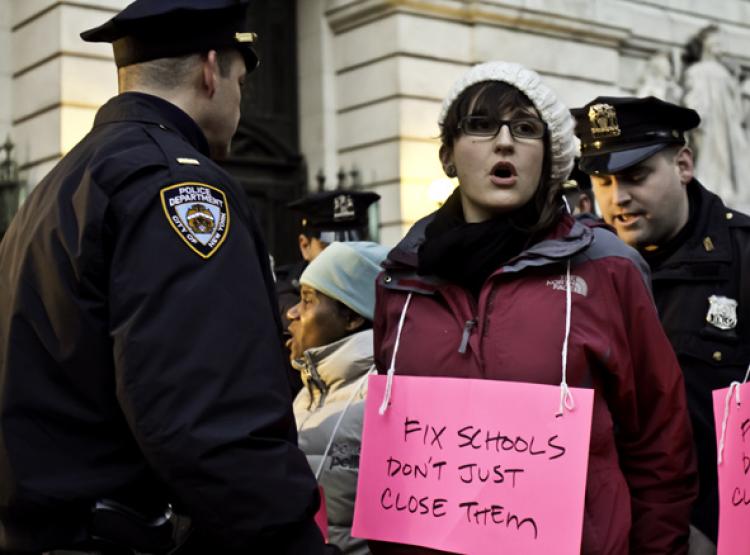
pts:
[346, 272]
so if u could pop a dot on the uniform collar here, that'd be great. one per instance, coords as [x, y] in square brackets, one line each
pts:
[146, 108]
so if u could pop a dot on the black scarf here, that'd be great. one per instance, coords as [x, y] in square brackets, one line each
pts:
[467, 253]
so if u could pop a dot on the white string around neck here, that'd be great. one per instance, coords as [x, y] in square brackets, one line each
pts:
[392, 368]
[566, 395]
[734, 387]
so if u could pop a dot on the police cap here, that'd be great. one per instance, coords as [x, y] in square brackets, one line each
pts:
[146, 30]
[618, 132]
[338, 215]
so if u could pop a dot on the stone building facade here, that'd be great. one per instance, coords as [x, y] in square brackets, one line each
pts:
[370, 73]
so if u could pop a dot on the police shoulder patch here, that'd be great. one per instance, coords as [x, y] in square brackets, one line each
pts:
[199, 214]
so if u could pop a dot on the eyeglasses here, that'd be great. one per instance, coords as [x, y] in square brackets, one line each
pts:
[520, 128]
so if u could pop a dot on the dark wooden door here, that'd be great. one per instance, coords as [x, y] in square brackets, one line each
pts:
[265, 155]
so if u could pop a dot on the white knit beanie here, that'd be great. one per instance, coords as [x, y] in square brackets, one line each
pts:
[346, 272]
[552, 111]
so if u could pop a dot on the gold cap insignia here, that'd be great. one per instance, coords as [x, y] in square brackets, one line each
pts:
[245, 37]
[603, 120]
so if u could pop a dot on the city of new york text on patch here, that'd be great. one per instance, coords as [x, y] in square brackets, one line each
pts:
[199, 214]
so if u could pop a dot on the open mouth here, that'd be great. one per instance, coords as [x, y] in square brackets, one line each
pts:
[628, 218]
[504, 170]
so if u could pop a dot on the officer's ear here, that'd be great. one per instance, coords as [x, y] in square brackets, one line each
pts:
[210, 72]
[685, 166]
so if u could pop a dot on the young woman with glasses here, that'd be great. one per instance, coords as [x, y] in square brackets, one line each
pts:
[492, 284]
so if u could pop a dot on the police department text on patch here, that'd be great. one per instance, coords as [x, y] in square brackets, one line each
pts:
[199, 213]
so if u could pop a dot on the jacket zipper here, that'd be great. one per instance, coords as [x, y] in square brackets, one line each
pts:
[468, 326]
[314, 378]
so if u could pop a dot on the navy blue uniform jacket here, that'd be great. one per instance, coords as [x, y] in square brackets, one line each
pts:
[713, 258]
[136, 366]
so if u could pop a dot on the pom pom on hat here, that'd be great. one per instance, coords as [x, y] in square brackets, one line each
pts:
[551, 109]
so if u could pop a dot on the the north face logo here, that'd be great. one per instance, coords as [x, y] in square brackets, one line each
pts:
[577, 285]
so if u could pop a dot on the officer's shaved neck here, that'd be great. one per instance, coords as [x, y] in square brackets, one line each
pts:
[191, 83]
[165, 74]
[172, 79]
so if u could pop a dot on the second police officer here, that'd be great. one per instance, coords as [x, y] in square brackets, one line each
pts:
[698, 250]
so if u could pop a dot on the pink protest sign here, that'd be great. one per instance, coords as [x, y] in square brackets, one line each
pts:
[321, 517]
[473, 466]
[734, 477]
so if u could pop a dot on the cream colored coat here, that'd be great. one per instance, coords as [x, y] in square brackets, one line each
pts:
[333, 375]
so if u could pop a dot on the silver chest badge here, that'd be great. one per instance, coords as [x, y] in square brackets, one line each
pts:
[722, 312]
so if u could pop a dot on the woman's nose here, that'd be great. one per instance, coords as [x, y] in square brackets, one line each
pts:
[293, 312]
[504, 138]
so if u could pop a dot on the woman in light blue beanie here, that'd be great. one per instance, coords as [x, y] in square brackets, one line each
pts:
[346, 272]
[331, 345]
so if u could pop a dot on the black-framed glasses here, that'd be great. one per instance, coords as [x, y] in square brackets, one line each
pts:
[520, 128]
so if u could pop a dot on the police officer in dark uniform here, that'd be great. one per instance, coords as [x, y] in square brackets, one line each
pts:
[141, 364]
[325, 217]
[697, 248]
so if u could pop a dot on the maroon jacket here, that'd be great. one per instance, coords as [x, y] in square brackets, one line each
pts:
[642, 477]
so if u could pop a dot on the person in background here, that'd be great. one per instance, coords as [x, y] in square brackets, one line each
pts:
[698, 251]
[578, 194]
[141, 362]
[490, 272]
[331, 347]
[325, 217]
